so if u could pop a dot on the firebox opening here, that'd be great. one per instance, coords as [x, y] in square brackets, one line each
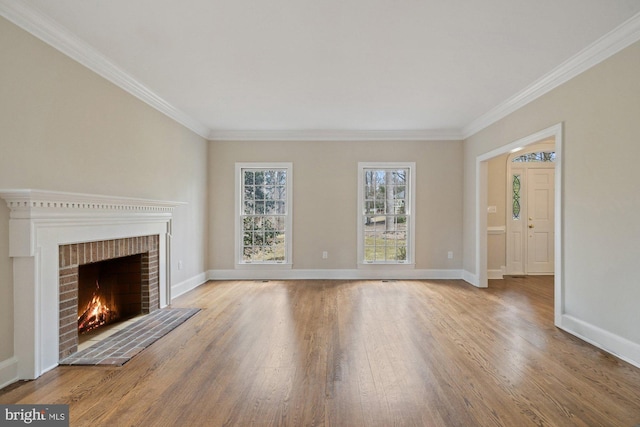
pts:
[108, 292]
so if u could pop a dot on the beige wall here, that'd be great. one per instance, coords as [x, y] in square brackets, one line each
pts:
[496, 196]
[600, 110]
[325, 196]
[62, 127]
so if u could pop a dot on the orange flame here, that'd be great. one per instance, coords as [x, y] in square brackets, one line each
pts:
[95, 314]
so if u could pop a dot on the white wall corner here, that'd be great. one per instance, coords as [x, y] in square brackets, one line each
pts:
[188, 285]
[620, 347]
[470, 278]
[8, 372]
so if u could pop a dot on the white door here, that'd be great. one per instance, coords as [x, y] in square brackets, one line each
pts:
[540, 221]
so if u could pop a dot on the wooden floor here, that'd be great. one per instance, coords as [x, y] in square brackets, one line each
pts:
[355, 353]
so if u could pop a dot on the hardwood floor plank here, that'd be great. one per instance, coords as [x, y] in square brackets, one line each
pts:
[355, 353]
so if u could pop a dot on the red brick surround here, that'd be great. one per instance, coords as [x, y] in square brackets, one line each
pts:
[74, 255]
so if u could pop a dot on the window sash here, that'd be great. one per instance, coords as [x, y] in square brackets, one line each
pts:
[386, 226]
[264, 214]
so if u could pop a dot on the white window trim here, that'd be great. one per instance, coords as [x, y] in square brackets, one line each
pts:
[411, 213]
[288, 262]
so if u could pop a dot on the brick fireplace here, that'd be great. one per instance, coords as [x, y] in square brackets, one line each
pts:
[50, 235]
[74, 256]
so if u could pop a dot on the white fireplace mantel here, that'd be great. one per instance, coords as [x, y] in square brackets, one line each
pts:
[40, 221]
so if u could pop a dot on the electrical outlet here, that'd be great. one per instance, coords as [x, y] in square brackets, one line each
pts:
[325, 254]
[450, 254]
[179, 265]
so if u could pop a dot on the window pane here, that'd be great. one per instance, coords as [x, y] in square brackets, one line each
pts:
[247, 238]
[280, 223]
[401, 253]
[249, 192]
[270, 177]
[269, 238]
[258, 238]
[259, 178]
[369, 254]
[248, 178]
[247, 253]
[269, 192]
[267, 253]
[516, 197]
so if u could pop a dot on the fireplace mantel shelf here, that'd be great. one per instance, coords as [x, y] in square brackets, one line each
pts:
[30, 203]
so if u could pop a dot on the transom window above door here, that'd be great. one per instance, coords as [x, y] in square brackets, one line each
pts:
[538, 156]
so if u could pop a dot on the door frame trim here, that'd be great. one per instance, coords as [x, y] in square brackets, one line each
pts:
[556, 131]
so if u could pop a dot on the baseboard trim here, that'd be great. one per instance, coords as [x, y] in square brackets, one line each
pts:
[8, 372]
[332, 274]
[470, 278]
[620, 347]
[187, 285]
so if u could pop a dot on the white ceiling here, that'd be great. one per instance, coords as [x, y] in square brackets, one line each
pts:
[430, 66]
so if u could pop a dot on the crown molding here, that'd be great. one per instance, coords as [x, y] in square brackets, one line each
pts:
[336, 135]
[606, 46]
[54, 34]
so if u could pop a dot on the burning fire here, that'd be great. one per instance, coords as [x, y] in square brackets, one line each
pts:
[96, 313]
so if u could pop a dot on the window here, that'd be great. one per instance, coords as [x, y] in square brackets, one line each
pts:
[386, 218]
[540, 156]
[515, 188]
[263, 207]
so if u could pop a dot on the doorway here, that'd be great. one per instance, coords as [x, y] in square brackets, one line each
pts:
[553, 133]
